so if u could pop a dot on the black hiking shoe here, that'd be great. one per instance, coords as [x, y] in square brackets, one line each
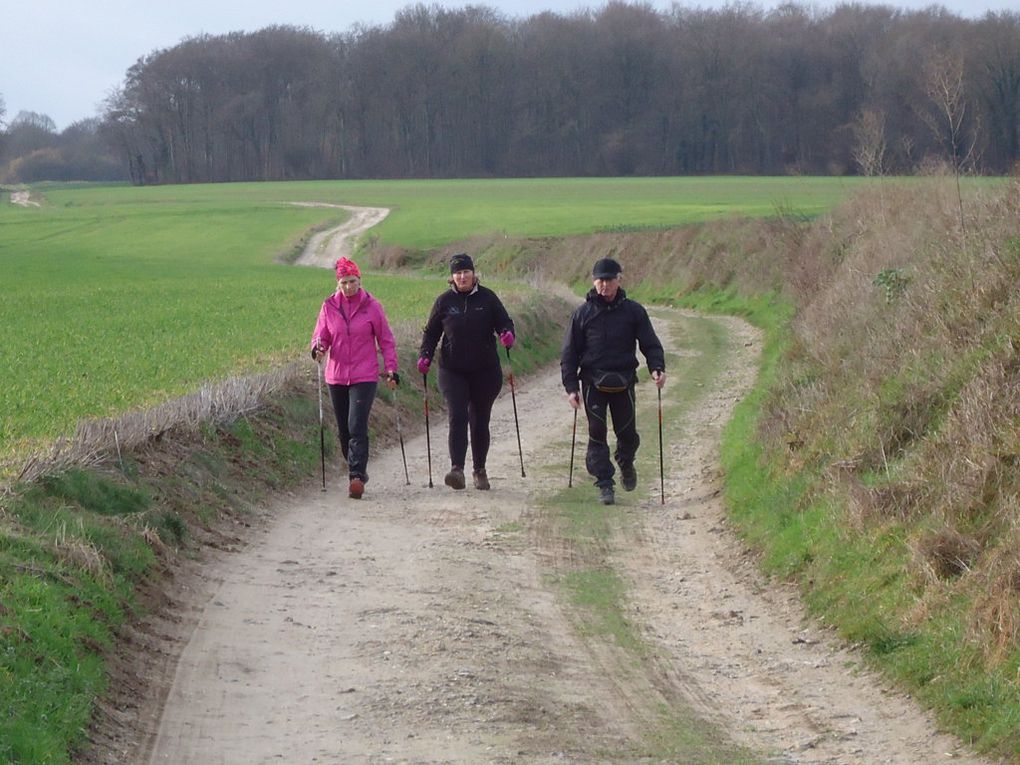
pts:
[629, 477]
[606, 495]
[481, 480]
[455, 478]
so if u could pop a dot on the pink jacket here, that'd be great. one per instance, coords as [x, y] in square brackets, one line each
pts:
[351, 330]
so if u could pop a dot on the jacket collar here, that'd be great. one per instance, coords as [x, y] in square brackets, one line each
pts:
[338, 301]
[596, 300]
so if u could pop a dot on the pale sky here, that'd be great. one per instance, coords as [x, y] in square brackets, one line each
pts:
[63, 57]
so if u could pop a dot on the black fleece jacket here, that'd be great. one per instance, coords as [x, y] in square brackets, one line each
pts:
[602, 336]
[468, 323]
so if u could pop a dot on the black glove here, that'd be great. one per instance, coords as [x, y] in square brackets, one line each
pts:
[394, 377]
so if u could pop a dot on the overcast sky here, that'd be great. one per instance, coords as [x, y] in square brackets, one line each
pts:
[63, 58]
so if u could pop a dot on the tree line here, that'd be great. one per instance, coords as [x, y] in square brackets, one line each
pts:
[621, 90]
[31, 149]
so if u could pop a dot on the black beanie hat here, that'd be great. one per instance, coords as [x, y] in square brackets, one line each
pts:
[461, 262]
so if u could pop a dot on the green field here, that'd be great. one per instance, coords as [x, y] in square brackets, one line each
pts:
[117, 297]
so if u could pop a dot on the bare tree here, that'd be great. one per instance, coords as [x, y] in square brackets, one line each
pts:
[28, 132]
[995, 53]
[3, 138]
[944, 83]
[869, 142]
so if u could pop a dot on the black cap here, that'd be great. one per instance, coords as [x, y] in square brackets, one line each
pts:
[606, 268]
[461, 262]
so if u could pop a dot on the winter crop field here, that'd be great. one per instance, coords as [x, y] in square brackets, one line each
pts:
[116, 298]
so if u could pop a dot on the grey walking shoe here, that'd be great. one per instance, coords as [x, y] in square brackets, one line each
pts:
[481, 480]
[629, 476]
[606, 495]
[455, 478]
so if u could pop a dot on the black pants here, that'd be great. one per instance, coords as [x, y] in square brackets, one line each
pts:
[469, 399]
[598, 407]
[352, 405]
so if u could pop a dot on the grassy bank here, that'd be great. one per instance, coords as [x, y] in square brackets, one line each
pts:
[874, 464]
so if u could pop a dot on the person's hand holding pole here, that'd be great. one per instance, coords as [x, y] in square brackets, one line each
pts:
[319, 351]
[659, 377]
[574, 399]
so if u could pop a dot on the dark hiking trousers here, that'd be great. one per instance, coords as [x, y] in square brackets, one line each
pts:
[598, 407]
[469, 399]
[352, 405]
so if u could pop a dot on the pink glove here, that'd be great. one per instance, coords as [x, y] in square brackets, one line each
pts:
[506, 339]
[424, 364]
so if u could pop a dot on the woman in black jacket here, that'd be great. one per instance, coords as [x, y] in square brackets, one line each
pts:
[469, 318]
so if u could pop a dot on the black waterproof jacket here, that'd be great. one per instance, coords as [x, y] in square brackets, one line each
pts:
[602, 337]
[468, 324]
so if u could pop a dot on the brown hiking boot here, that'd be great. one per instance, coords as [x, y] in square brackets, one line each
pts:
[481, 480]
[455, 478]
[356, 489]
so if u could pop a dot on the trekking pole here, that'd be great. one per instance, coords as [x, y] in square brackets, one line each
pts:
[573, 439]
[428, 438]
[400, 435]
[517, 425]
[322, 429]
[662, 472]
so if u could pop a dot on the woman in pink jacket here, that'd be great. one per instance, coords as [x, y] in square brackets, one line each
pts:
[352, 330]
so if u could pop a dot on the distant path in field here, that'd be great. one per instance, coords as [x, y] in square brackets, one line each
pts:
[23, 199]
[326, 247]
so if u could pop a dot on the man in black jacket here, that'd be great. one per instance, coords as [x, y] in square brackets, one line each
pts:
[599, 365]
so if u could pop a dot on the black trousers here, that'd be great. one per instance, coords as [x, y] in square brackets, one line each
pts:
[469, 399]
[352, 404]
[598, 407]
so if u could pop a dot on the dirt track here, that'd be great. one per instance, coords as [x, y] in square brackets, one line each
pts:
[424, 625]
[325, 247]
